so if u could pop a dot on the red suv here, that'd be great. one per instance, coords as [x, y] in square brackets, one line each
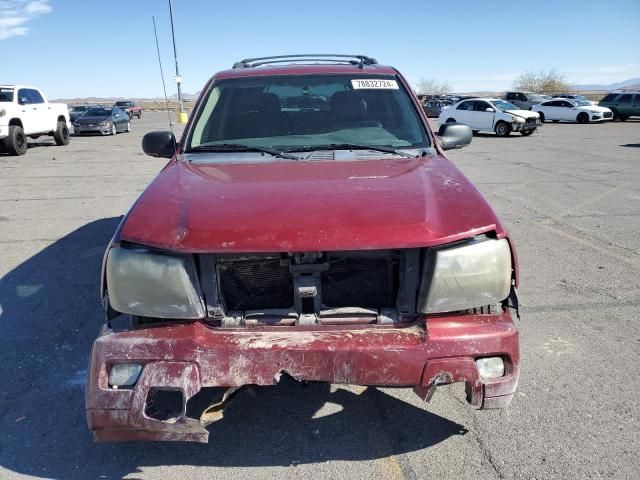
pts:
[307, 224]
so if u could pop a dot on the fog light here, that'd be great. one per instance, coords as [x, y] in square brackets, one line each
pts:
[491, 367]
[124, 374]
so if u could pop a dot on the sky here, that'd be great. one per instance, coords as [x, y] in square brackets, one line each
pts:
[81, 48]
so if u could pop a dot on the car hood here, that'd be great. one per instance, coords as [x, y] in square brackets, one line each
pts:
[523, 113]
[597, 108]
[285, 206]
[85, 119]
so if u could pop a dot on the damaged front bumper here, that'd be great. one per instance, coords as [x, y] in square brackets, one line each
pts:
[182, 362]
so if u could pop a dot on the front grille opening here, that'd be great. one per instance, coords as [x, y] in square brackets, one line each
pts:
[360, 282]
[256, 284]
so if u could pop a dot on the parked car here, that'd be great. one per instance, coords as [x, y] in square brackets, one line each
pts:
[433, 108]
[76, 111]
[491, 115]
[26, 113]
[297, 241]
[103, 120]
[523, 100]
[573, 96]
[623, 104]
[568, 110]
[130, 107]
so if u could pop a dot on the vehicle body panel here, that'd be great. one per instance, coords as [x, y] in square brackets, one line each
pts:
[352, 205]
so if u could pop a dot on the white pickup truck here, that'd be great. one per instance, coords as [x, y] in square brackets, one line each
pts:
[25, 112]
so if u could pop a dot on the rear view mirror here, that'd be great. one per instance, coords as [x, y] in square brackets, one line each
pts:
[159, 144]
[454, 135]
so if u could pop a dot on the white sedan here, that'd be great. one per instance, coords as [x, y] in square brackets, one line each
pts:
[491, 115]
[572, 110]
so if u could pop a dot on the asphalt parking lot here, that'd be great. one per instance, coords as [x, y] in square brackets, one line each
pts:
[570, 196]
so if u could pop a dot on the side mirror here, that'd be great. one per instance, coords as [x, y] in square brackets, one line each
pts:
[454, 135]
[489, 110]
[159, 144]
[23, 100]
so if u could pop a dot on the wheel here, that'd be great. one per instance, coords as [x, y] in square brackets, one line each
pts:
[475, 132]
[139, 114]
[451, 120]
[114, 130]
[16, 141]
[526, 133]
[541, 117]
[128, 127]
[583, 117]
[61, 135]
[503, 129]
[555, 121]
[616, 115]
[623, 118]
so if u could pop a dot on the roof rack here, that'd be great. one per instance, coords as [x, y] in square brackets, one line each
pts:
[326, 58]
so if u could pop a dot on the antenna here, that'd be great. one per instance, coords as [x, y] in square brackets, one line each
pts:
[164, 88]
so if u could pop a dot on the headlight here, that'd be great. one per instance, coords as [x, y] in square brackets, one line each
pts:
[595, 111]
[517, 120]
[153, 285]
[468, 276]
[104, 124]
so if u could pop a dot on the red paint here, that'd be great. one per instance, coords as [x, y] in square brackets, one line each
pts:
[309, 206]
[191, 356]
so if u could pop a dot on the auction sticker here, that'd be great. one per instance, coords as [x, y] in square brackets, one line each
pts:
[374, 84]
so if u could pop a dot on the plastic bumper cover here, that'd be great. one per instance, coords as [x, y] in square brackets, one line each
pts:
[188, 357]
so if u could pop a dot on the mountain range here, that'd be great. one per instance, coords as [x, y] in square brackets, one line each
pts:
[630, 83]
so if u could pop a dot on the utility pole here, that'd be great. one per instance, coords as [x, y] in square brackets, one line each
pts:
[182, 115]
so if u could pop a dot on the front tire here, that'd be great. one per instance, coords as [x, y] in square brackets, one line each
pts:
[139, 115]
[526, 133]
[16, 141]
[623, 118]
[61, 135]
[583, 117]
[114, 130]
[541, 117]
[503, 129]
[128, 127]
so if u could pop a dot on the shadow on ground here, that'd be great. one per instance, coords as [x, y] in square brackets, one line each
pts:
[50, 314]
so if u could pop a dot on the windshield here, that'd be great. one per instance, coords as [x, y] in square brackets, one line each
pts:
[98, 112]
[582, 103]
[535, 97]
[123, 104]
[78, 109]
[503, 106]
[6, 94]
[306, 111]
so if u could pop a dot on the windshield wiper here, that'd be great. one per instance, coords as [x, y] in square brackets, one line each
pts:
[239, 147]
[352, 146]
